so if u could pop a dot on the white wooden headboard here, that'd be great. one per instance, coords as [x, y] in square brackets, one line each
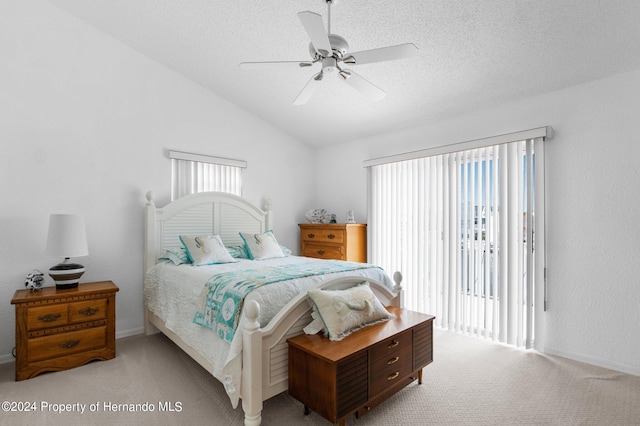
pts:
[200, 214]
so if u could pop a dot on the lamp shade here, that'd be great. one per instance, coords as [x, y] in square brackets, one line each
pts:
[67, 236]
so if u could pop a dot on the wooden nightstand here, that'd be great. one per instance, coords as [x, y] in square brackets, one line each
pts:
[341, 241]
[352, 376]
[62, 329]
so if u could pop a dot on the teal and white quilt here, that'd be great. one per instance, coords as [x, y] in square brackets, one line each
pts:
[223, 294]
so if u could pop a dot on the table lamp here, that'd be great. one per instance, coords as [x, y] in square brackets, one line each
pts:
[67, 238]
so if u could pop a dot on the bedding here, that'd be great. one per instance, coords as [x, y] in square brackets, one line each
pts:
[223, 294]
[172, 292]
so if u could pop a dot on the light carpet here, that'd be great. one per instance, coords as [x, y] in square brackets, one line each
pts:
[470, 382]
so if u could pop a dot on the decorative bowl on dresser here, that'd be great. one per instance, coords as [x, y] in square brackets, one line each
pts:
[339, 378]
[62, 329]
[341, 241]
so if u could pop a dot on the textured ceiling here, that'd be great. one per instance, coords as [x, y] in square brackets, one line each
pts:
[472, 54]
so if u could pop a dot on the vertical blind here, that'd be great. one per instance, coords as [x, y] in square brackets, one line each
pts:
[460, 228]
[192, 173]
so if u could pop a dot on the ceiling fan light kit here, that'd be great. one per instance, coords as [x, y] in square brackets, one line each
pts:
[329, 50]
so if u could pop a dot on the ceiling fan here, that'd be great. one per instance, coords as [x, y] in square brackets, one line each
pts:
[332, 50]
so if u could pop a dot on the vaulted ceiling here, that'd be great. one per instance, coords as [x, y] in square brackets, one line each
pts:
[472, 54]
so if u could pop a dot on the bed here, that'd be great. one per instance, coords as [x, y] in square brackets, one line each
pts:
[252, 363]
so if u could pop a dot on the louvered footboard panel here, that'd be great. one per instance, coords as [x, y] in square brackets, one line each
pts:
[275, 376]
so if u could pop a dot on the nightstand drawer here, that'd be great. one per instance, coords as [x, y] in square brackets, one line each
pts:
[87, 311]
[323, 235]
[47, 316]
[47, 347]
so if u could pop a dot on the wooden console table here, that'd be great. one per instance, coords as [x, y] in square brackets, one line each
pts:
[352, 376]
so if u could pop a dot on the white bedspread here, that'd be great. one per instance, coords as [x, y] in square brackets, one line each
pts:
[171, 293]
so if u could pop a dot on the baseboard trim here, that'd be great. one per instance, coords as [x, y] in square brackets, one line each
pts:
[611, 365]
[132, 332]
[119, 335]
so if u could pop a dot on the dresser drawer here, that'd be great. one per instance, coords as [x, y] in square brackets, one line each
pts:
[388, 371]
[323, 235]
[388, 348]
[323, 251]
[47, 347]
[90, 310]
[47, 316]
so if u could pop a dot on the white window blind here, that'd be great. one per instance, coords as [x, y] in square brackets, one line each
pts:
[460, 227]
[192, 173]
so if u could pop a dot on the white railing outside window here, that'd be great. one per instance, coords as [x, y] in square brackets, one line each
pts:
[460, 227]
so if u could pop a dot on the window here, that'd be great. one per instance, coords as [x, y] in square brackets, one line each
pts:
[460, 227]
[192, 173]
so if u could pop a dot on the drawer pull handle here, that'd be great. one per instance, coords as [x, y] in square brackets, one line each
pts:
[320, 251]
[311, 235]
[89, 311]
[393, 344]
[331, 236]
[69, 344]
[393, 376]
[49, 317]
[393, 360]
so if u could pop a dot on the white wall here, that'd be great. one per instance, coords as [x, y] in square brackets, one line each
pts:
[85, 123]
[592, 206]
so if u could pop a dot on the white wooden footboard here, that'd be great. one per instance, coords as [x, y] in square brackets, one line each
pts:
[265, 351]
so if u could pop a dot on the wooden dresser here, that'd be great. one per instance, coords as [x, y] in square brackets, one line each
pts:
[352, 376]
[62, 329]
[341, 241]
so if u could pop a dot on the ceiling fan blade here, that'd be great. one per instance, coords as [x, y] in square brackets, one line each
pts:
[381, 54]
[362, 85]
[277, 64]
[309, 89]
[312, 23]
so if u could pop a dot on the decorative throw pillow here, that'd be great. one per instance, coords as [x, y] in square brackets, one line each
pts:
[341, 312]
[262, 246]
[238, 251]
[206, 249]
[176, 255]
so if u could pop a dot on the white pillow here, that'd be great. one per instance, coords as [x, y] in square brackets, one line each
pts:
[262, 246]
[176, 255]
[206, 249]
[341, 312]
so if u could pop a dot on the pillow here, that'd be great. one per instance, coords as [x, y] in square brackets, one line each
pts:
[341, 312]
[176, 255]
[238, 251]
[262, 246]
[286, 251]
[206, 249]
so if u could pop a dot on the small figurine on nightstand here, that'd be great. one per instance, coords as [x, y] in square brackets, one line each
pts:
[333, 219]
[350, 217]
[34, 280]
